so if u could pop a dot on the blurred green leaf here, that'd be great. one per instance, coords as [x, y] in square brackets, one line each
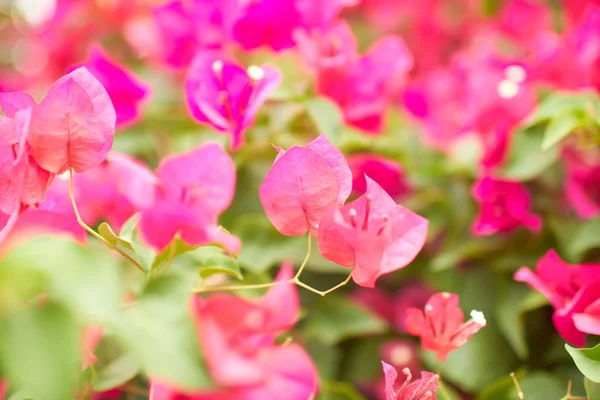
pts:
[212, 260]
[539, 385]
[587, 360]
[334, 319]
[576, 237]
[327, 116]
[86, 281]
[159, 332]
[560, 104]
[559, 128]
[40, 351]
[526, 158]
[109, 234]
[332, 390]
[114, 366]
[514, 301]
[592, 389]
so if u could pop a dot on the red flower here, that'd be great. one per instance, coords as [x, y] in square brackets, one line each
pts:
[441, 326]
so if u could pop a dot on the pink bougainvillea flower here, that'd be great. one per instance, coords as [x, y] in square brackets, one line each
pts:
[576, 9]
[580, 48]
[480, 93]
[334, 48]
[386, 172]
[232, 330]
[91, 338]
[226, 96]
[125, 90]
[13, 102]
[53, 216]
[441, 327]
[184, 27]
[194, 189]
[237, 337]
[582, 186]
[114, 190]
[372, 234]
[524, 20]
[266, 23]
[290, 374]
[74, 125]
[504, 206]
[303, 184]
[423, 388]
[571, 289]
[364, 88]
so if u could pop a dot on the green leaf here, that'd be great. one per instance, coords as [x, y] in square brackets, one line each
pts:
[40, 351]
[561, 103]
[334, 319]
[86, 281]
[558, 128]
[535, 386]
[114, 366]
[526, 158]
[327, 116]
[576, 237]
[592, 389]
[213, 260]
[516, 299]
[587, 360]
[109, 234]
[333, 390]
[160, 333]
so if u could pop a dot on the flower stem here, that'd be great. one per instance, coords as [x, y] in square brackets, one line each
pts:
[233, 288]
[308, 251]
[520, 394]
[295, 280]
[93, 232]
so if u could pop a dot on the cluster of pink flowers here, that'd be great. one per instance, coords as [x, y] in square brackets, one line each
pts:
[237, 337]
[304, 192]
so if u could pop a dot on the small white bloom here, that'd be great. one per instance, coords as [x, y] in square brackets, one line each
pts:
[255, 72]
[515, 73]
[217, 66]
[507, 89]
[478, 317]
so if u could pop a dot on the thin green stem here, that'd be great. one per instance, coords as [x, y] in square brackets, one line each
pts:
[520, 394]
[233, 288]
[308, 251]
[323, 292]
[295, 280]
[93, 232]
[442, 387]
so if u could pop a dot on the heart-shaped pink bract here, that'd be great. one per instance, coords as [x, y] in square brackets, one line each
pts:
[125, 90]
[373, 234]
[115, 190]
[226, 96]
[303, 184]
[74, 125]
[194, 189]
